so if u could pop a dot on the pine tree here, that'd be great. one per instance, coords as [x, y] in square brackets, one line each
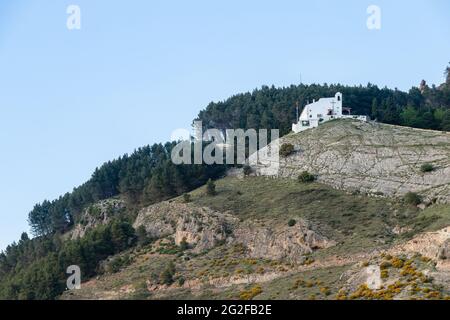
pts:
[142, 237]
[445, 124]
[211, 188]
[374, 110]
[166, 277]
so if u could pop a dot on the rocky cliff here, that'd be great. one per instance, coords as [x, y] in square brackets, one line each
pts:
[371, 158]
[203, 228]
[99, 213]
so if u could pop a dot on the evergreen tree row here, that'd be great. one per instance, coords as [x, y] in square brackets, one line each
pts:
[274, 108]
[36, 269]
[146, 176]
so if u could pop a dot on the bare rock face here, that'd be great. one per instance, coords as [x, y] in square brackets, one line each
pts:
[203, 228]
[444, 250]
[434, 245]
[100, 213]
[371, 158]
[280, 242]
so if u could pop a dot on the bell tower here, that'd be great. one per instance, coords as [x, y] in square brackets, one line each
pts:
[338, 103]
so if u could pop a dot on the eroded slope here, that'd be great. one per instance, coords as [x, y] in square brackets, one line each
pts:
[372, 158]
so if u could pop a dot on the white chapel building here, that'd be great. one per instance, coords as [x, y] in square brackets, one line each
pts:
[325, 109]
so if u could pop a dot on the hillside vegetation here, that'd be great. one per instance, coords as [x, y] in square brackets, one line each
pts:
[249, 238]
[219, 262]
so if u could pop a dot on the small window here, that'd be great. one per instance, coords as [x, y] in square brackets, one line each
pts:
[305, 123]
[339, 98]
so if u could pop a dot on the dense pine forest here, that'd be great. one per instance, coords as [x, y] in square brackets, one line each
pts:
[34, 268]
[274, 108]
[146, 176]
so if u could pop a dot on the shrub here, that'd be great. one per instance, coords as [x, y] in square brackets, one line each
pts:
[251, 293]
[306, 177]
[397, 263]
[412, 198]
[291, 223]
[247, 170]
[184, 245]
[298, 283]
[142, 238]
[181, 281]
[168, 248]
[308, 261]
[286, 149]
[117, 263]
[341, 295]
[95, 211]
[211, 188]
[186, 197]
[325, 291]
[141, 292]
[166, 277]
[426, 167]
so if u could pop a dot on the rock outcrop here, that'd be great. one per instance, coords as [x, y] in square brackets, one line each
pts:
[280, 242]
[444, 250]
[434, 245]
[100, 213]
[371, 158]
[203, 228]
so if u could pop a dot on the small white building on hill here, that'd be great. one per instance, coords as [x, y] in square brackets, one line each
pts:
[325, 109]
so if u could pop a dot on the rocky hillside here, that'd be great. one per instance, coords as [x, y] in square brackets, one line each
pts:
[202, 229]
[350, 235]
[372, 158]
[279, 239]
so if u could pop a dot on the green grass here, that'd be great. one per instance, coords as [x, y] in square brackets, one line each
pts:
[434, 218]
[357, 222]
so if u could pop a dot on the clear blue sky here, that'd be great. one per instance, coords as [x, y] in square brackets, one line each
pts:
[137, 70]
